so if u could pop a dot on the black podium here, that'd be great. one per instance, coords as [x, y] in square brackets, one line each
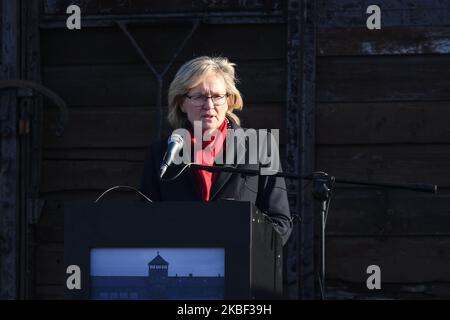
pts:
[108, 241]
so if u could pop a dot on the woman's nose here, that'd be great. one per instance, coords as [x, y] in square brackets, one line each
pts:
[208, 103]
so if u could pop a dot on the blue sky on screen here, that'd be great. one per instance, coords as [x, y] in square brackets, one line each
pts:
[133, 261]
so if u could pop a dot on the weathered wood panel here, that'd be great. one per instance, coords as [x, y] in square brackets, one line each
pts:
[346, 13]
[390, 163]
[386, 122]
[105, 127]
[117, 7]
[402, 67]
[50, 264]
[135, 85]
[108, 46]
[385, 78]
[402, 260]
[50, 228]
[49, 292]
[60, 175]
[128, 127]
[331, 13]
[384, 212]
[390, 41]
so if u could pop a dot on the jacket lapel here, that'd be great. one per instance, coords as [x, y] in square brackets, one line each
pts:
[184, 181]
[223, 177]
[194, 184]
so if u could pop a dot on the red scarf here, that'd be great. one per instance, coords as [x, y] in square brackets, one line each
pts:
[206, 156]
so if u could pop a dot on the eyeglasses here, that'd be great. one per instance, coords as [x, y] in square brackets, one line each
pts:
[199, 100]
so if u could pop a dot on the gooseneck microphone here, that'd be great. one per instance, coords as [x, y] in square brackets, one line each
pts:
[174, 145]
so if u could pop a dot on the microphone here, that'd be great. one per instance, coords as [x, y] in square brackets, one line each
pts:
[174, 145]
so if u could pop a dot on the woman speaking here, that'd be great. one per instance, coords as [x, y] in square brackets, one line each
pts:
[203, 94]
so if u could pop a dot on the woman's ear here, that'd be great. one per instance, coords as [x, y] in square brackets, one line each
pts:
[181, 108]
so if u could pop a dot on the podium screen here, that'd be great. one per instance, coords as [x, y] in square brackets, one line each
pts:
[157, 273]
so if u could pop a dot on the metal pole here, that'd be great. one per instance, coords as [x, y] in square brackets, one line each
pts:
[322, 245]
[8, 153]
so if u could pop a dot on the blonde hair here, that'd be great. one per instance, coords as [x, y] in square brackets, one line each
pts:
[190, 75]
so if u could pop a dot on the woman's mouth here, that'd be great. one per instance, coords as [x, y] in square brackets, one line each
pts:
[208, 117]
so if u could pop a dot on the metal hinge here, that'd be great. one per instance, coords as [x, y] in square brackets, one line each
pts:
[35, 206]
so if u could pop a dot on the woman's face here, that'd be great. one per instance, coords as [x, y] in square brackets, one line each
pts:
[210, 114]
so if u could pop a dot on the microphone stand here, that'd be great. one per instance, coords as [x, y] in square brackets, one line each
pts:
[322, 190]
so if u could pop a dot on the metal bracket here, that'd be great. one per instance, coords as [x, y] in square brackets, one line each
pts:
[36, 205]
[28, 85]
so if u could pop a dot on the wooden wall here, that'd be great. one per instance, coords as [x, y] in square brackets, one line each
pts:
[382, 115]
[382, 110]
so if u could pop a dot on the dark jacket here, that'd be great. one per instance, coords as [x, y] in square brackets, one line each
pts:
[266, 192]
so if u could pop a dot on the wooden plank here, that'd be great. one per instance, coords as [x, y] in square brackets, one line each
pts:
[352, 13]
[60, 175]
[97, 154]
[401, 259]
[265, 116]
[117, 7]
[130, 127]
[384, 122]
[383, 78]
[50, 228]
[134, 85]
[109, 46]
[386, 4]
[387, 163]
[49, 292]
[391, 41]
[50, 264]
[356, 212]
[133, 127]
